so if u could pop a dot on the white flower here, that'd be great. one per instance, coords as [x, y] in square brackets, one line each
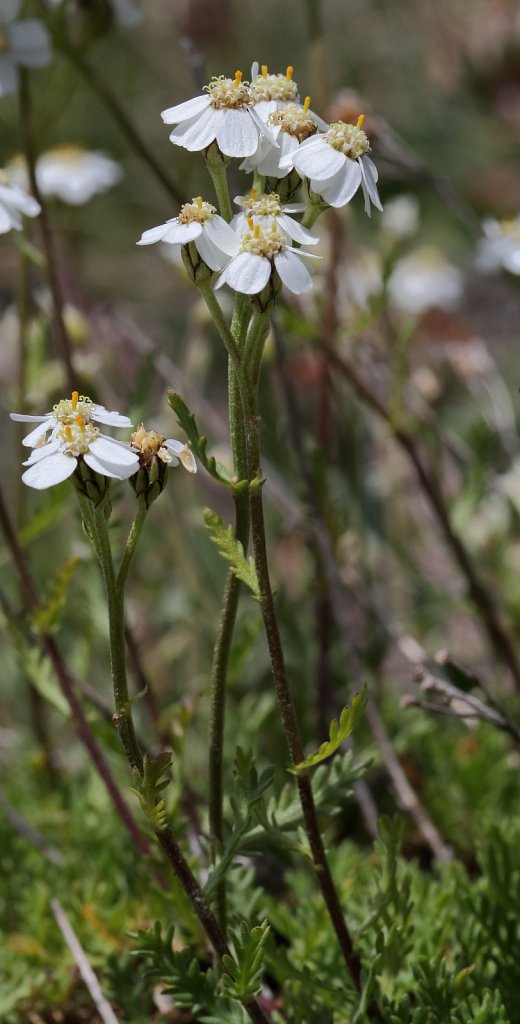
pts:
[150, 444]
[70, 173]
[501, 246]
[127, 13]
[272, 92]
[337, 163]
[24, 43]
[289, 126]
[225, 114]
[13, 203]
[267, 210]
[200, 223]
[68, 434]
[260, 251]
[424, 280]
[401, 216]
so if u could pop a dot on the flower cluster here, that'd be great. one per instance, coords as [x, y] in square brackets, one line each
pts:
[265, 125]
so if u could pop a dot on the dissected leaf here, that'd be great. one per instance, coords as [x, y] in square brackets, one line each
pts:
[231, 549]
[338, 732]
[198, 443]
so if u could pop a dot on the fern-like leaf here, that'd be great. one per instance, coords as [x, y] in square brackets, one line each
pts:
[231, 549]
[198, 443]
[338, 732]
[243, 972]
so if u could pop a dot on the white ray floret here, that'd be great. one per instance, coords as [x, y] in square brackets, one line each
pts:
[289, 126]
[24, 43]
[500, 247]
[200, 223]
[225, 114]
[260, 252]
[267, 210]
[337, 164]
[14, 202]
[64, 414]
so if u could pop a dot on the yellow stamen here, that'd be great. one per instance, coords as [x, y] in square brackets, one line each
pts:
[238, 78]
[75, 397]
[251, 223]
[80, 421]
[257, 231]
[289, 72]
[254, 193]
[307, 104]
[68, 433]
[360, 120]
[264, 70]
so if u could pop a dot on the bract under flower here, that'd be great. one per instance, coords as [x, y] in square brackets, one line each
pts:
[200, 223]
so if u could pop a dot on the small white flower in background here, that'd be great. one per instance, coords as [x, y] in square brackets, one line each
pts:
[401, 216]
[127, 13]
[424, 280]
[337, 163]
[200, 223]
[290, 126]
[267, 210]
[272, 92]
[23, 43]
[14, 202]
[71, 173]
[68, 434]
[259, 252]
[150, 444]
[225, 114]
[500, 248]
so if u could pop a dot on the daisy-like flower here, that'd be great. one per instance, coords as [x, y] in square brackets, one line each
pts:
[157, 453]
[225, 114]
[68, 437]
[500, 247]
[70, 172]
[200, 223]
[272, 92]
[267, 210]
[260, 252]
[23, 43]
[13, 203]
[337, 163]
[289, 126]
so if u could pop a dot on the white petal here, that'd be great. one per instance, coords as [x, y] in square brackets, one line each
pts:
[221, 234]
[38, 433]
[237, 134]
[22, 417]
[42, 453]
[265, 107]
[319, 161]
[296, 231]
[30, 43]
[199, 132]
[17, 199]
[110, 450]
[247, 273]
[264, 131]
[113, 419]
[48, 472]
[185, 111]
[367, 171]
[6, 222]
[340, 189]
[153, 235]
[181, 452]
[8, 76]
[10, 10]
[211, 254]
[117, 470]
[181, 234]
[293, 272]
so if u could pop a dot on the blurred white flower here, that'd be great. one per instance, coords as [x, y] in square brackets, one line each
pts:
[401, 216]
[267, 210]
[424, 280]
[337, 163]
[14, 202]
[289, 127]
[259, 252]
[23, 43]
[500, 248]
[68, 434]
[200, 223]
[71, 173]
[128, 14]
[225, 114]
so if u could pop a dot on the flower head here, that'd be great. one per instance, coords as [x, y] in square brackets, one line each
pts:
[200, 223]
[337, 163]
[500, 247]
[71, 173]
[14, 202]
[22, 43]
[267, 210]
[272, 92]
[67, 439]
[262, 250]
[224, 114]
[157, 453]
[290, 125]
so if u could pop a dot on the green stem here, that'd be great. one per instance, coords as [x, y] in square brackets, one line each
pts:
[312, 213]
[217, 170]
[131, 545]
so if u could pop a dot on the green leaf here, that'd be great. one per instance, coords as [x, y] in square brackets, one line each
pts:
[338, 732]
[231, 549]
[198, 443]
[243, 971]
[46, 618]
[154, 779]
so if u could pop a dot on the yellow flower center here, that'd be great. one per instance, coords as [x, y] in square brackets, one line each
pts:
[349, 139]
[295, 121]
[262, 241]
[274, 87]
[229, 92]
[150, 445]
[69, 409]
[67, 153]
[511, 229]
[77, 436]
[263, 206]
[198, 210]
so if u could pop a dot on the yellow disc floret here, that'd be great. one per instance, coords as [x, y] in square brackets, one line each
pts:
[349, 139]
[262, 241]
[229, 92]
[262, 206]
[68, 409]
[150, 445]
[274, 87]
[295, 121]
[77, 436]
[198, 210]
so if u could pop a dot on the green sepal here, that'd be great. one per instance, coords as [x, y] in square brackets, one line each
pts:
[338, 732]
